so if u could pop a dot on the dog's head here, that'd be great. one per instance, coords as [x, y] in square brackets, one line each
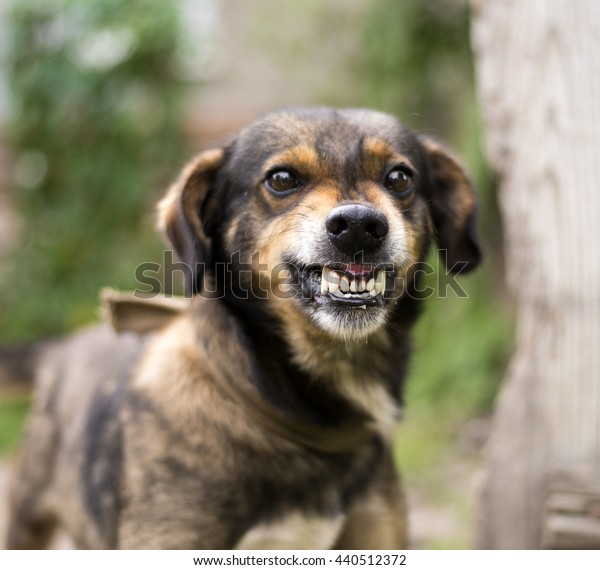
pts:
[322, 213]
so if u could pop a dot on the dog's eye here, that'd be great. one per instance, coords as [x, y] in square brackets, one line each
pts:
[282, 181]
[399, 180]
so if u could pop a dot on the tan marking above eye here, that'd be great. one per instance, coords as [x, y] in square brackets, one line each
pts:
[378, 155]
[378, 147]
[303, 158]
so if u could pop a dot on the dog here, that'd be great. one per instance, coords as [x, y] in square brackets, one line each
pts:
[261, 416]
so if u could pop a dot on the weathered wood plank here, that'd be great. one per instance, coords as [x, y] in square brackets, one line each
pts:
[538, 76]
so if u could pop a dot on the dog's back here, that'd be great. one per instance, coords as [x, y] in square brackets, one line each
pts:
[70, 458]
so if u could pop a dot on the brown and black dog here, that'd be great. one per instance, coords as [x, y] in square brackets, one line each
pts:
[260, 417]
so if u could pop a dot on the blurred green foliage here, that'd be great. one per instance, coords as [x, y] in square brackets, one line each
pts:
[95, 126]
[12, 420]
[416, 62]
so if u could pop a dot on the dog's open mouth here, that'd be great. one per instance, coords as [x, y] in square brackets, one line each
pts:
[345, 284]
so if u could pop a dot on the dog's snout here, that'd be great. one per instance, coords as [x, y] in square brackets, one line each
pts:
[354, 228]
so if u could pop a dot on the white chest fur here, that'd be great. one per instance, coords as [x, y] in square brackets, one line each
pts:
[294, 531]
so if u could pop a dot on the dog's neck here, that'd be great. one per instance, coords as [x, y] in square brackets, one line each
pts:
[309, 374]
[360, 371]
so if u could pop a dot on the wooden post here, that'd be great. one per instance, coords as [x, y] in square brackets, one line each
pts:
[538, 75]
[572, 517]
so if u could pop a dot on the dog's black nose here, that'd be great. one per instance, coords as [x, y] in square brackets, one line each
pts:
[353, 228]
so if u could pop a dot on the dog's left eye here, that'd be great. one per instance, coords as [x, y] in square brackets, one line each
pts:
[282, 181]
[399, 180]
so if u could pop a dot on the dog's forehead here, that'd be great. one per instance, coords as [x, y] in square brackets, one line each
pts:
[337, 133]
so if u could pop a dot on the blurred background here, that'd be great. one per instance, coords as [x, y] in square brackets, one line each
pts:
[101, 103]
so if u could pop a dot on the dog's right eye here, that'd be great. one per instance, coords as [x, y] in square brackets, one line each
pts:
[282, 181]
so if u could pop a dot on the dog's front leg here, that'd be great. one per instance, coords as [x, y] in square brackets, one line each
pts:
[377, 520]
[172, 528]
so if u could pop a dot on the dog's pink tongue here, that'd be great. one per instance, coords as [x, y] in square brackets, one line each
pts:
[358, 269]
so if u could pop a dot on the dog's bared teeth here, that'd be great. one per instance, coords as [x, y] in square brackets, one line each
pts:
[380, 281]
[324, 281]
[334, 281]
[347, 287]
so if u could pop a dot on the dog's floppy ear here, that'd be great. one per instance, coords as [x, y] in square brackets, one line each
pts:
[180, 215]
[453, 210]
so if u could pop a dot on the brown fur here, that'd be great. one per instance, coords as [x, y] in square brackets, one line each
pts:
[260, 417]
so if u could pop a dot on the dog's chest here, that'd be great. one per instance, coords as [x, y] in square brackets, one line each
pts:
[367, 391]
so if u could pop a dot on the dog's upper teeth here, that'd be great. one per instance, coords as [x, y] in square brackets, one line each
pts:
[380, 282]
[344, 286]
[324, 281]
[334, 281]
